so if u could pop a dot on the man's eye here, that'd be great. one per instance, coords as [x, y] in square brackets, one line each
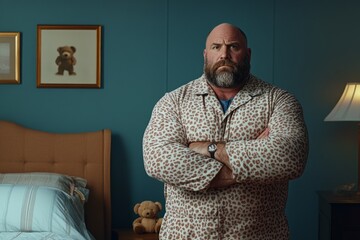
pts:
[235, 47]
[215, 47]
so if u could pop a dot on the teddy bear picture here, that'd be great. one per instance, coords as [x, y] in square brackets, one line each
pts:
[148, 222]
[66, 60]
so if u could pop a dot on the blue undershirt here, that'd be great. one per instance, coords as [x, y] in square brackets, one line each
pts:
[225, 104]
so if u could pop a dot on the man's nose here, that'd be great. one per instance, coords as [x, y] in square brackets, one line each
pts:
[224, 53]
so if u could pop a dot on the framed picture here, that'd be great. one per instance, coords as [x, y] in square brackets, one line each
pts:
[10, 57]
[68, 56]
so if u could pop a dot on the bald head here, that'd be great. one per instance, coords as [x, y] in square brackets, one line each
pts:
[226, 29]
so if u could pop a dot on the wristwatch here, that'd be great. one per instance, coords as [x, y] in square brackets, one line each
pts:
[212, 149]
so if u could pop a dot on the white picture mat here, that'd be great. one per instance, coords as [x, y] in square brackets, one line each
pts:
[85, 42]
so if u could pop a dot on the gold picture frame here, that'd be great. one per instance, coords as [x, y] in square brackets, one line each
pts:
[9, 57]
[68, 56]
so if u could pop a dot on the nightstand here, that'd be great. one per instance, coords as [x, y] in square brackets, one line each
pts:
[128, 234]
[339, 215]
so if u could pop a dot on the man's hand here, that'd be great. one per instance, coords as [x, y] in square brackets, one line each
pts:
[224, 178]
[264, 134]
[200, 147]
[220, 154]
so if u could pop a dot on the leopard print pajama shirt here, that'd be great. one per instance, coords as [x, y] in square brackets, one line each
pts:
[252, 209]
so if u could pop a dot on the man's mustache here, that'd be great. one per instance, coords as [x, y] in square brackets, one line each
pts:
[224, 63]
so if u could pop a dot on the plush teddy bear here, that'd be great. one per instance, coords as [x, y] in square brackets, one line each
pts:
[66, 60]
[148, 222]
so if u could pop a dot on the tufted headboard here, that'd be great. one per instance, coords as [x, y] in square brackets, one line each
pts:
[85, 155]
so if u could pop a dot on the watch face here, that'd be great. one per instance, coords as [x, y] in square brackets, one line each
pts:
[212, 147]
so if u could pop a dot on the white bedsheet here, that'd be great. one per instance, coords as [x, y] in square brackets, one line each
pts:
[32, 236]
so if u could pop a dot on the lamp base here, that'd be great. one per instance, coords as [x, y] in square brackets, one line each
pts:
[345, 196]
[347, 190]
[348, 193]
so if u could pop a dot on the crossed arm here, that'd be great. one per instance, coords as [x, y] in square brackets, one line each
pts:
[225, 176]
[278, 154]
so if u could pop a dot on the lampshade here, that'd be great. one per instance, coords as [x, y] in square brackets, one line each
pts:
[348, 106]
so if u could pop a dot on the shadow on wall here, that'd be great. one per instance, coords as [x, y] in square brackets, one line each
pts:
[120, 185]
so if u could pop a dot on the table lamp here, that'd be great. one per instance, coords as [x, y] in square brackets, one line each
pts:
[348, 109]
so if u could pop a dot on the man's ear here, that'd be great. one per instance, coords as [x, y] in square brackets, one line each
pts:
[249, 53]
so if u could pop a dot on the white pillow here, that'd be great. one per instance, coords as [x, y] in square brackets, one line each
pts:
[43, 202]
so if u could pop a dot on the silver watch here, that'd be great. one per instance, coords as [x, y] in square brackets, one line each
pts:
[212, 149]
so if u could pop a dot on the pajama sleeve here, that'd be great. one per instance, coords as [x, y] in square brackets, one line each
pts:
[279, 157]
[166, 153]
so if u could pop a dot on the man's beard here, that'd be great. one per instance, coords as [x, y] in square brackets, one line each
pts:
[226, 78]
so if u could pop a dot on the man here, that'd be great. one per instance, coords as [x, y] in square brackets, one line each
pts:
[226, 146]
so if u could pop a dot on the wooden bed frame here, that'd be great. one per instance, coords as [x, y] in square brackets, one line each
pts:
[85, 155]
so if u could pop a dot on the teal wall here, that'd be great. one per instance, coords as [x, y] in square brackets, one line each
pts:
[310, 48]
